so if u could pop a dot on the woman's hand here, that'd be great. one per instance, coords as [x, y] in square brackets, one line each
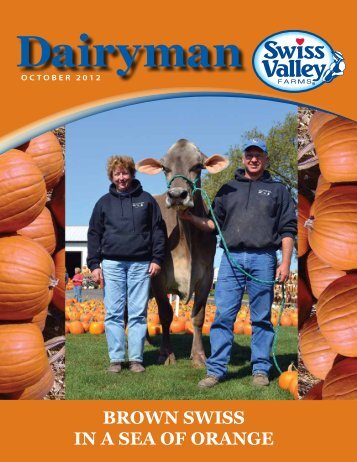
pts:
[154, 269]
[97, 275]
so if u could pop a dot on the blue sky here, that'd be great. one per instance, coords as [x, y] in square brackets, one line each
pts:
[148, 129]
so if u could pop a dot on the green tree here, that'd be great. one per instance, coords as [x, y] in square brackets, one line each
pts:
[282, 148]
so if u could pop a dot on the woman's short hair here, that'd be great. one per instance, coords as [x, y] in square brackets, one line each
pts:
[115, 162]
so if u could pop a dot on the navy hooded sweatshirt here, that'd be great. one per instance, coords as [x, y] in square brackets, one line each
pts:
[126, 226]
[255, 214]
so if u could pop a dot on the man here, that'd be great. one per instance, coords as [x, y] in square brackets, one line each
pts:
[257, 216]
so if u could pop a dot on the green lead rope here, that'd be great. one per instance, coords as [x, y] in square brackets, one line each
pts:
[233, 263]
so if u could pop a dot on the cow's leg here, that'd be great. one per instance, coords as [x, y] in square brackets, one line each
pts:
[198, 355]
[166, 355]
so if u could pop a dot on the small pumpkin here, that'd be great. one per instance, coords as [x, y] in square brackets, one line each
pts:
[320, 274]
[27, 273]
[76, 327]
[333, 229]
[46, 152]
[341, 381]
[286, 377]
[315, 352]
[22, 191]
[303, 215]
[42, 230]
[96, 327]
[23, 356]
[336, 312]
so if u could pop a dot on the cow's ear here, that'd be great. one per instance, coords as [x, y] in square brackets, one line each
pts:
[149, 166]
[216, 163]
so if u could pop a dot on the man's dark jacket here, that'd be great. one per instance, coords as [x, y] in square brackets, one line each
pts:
[255, 214]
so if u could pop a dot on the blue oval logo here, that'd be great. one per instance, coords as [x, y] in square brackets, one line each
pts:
[296, 61]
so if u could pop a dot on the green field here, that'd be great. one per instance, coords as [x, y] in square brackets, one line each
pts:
[87, 360]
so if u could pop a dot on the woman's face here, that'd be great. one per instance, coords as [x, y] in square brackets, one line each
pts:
[122, 179]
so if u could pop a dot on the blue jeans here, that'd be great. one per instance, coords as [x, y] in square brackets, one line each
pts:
[229, 292]
[125, 282]
[78, 293]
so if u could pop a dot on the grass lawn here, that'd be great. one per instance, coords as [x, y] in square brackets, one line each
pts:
[87, 360]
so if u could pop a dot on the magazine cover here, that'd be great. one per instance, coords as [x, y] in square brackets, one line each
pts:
[178, 225]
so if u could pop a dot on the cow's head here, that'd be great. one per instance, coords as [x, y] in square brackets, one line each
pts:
[183, 158]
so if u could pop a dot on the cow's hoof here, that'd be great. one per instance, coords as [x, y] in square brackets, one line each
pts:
[167, 359]
[199, 362]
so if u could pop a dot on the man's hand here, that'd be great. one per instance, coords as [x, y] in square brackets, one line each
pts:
[282, 272]
[97, 275]
[154, 269]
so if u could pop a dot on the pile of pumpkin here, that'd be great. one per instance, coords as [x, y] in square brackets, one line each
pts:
[242, 325]
[84, 317]
[327, 249]
[31, 261]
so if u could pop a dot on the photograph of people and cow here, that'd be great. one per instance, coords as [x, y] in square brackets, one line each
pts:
[181, 225]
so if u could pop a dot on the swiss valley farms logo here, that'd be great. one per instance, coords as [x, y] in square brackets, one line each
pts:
[296, 61]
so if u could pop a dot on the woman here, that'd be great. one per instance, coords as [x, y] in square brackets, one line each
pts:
[126, 237]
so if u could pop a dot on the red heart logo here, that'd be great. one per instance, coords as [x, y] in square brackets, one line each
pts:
[300, 41]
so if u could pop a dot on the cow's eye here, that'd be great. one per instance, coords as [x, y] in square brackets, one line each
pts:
[196, 168]
[166, 169]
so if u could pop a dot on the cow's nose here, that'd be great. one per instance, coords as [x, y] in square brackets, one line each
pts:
[177, 193]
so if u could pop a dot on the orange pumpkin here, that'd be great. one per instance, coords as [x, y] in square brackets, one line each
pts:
[286, 377]
[333, 231]
[336, 312]
[322, 186]
[320, 274]
[46, 152]
[42, 230]
[206, 328]
[23, 356]
[22, 191]
[315, 352]
[238, 327]
[76, 327]
[341, 381]
[336, 147]
[36, 391]
[27, 274]
[57, 204]
[177, 327]
[248, 329]
[58, 299]
[317, 121]
[96, 328]
[303, 215]
[40, 319]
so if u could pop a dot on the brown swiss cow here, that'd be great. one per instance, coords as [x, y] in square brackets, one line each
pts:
[188, 266]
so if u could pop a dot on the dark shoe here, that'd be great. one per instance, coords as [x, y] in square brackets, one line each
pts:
[114, 367]
[208, 382]
[260, 379]
[135, 366]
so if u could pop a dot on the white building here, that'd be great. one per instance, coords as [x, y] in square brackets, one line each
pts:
[76, 247]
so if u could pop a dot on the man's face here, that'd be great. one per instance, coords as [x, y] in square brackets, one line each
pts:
[255, 161]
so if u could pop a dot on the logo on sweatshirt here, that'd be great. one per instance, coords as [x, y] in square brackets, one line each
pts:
[265, 192]
[138, 204]
[296, 61]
